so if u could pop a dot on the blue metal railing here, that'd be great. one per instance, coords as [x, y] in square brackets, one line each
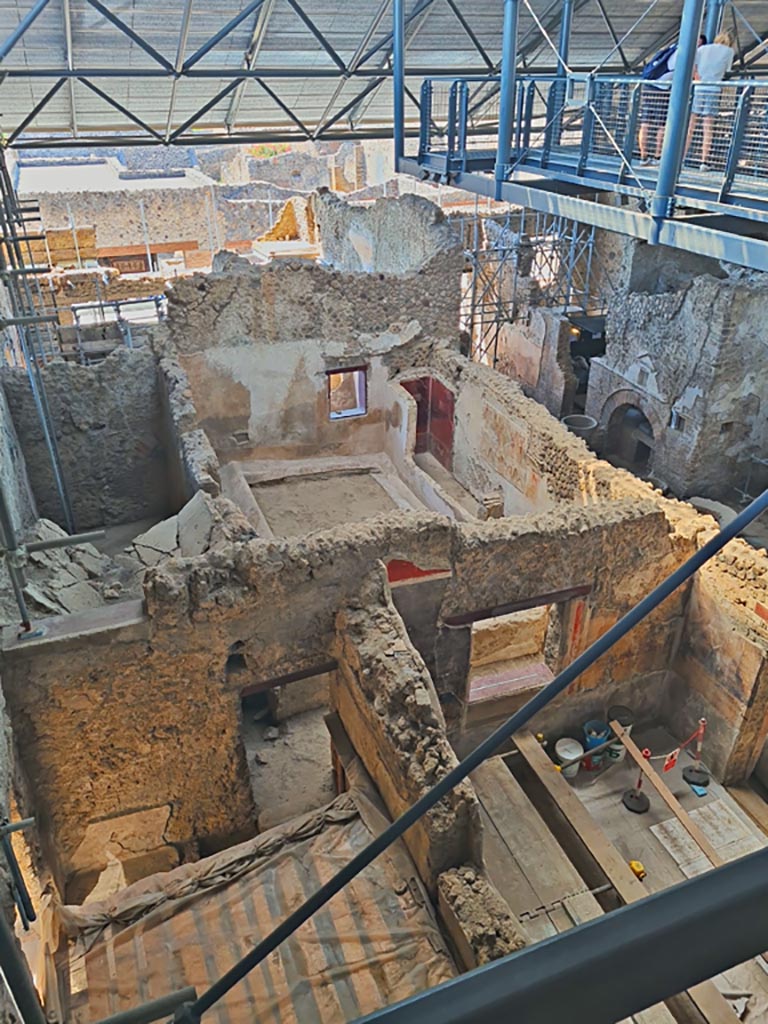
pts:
[588, 127]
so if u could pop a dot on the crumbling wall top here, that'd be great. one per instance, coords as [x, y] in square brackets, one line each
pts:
[391, 236]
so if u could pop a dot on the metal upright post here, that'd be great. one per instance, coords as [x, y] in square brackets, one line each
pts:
[564, 42]
[507, 91]
[18, 977]
[557, 89]
[398, 78]
[715, 9]
[662, 204]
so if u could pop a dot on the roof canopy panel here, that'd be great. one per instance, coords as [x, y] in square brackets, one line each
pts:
[169, 71]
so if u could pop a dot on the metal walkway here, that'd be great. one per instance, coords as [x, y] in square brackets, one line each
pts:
[570, 144]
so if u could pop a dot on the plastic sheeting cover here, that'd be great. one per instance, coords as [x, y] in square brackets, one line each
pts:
[374, 943]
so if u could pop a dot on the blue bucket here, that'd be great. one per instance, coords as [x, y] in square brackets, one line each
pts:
[595, 733]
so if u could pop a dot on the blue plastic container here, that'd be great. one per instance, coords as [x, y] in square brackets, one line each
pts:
[595, 733]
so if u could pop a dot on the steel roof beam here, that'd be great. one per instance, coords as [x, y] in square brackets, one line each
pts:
[223, 32]
[204, 110]
[318, 35]
[419, 8]
[180, 51]
[208, 138]
[21, 28]
[320, 130]
[425, 71]
[468, 29]
[411, 28]
[250, 57]
[35, 111]
[612, 32]
[70, 63]
[286, 110]
[356, 59]
[128, 31]
[123, 110]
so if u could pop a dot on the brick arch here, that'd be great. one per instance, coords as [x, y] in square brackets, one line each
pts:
[626, 396]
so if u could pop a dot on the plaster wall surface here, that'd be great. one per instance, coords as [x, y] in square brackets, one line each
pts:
[108, 424]
[14, 479]
[687, 339]
[721, 668]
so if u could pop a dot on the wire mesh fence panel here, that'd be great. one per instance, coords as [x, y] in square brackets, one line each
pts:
[608, 128]
[746, 107]
[482, 115]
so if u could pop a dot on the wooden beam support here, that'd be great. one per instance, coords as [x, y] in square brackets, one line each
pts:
[672, 803]
[706, 996]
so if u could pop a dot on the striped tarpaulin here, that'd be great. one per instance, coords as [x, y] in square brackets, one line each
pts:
[374, 943]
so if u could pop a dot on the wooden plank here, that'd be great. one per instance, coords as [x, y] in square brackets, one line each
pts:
[616, 869]
[705, 996]
[672, 803]
[667, 796]
[531, 845]
[752, 803]
[509, 812]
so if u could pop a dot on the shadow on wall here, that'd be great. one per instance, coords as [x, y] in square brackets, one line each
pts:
[659, 270]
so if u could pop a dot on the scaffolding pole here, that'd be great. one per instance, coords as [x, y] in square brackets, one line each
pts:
[29, 316]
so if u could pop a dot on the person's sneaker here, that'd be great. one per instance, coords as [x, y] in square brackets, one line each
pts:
[646, 161]
[704, 167]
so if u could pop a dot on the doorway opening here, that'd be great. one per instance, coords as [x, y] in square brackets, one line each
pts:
[629, 440]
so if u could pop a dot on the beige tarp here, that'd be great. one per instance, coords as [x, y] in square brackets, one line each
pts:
[375, 942]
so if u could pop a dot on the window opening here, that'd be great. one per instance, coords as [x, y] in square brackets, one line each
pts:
[347, 393]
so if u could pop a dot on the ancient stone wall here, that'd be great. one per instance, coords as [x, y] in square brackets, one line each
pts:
[296, 169]
[211, 215]
[14, 479]
[480, 926]
[192, 462]
[257, 343]
[393, 236]
[79, 697]
[108, 424]
[539, 462]
[112, 726]
[686, 339]
[72, 287]
[387, 703]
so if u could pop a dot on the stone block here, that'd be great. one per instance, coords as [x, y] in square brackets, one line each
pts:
[480, 926]
[162, 536]
[79, 597]
[195, 524]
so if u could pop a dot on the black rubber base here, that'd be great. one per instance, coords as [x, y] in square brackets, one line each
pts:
[696, 776]
[636, 801]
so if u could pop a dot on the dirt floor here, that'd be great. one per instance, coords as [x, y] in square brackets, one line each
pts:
[290, 773]
[304, 504]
